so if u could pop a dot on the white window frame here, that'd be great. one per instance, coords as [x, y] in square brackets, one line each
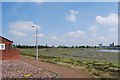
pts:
[2, 48]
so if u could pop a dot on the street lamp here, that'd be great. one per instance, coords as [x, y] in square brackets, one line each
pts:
[36, 41]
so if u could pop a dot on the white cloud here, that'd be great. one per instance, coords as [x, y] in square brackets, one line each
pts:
[22, 28]
[93, 28]
[37, 0]
[102, 38]
[72, 15]
[73, 12]
[95, 35]
[113, 29]
[54, 38]
[24, 0]
[17, 33]
[110, 20]
[40, 35]
[61, 0]
[77, 34]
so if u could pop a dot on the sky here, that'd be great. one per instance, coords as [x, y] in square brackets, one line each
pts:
[60, 0]
[61, 23]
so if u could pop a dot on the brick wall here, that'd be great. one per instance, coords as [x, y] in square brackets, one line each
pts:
[12, 54]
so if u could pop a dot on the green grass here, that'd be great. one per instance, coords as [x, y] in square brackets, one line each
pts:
[77, 54]
[98, 64]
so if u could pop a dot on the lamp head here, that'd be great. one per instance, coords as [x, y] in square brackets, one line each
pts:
[32, 26]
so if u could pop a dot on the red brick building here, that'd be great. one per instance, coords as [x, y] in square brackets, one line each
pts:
[6, 51]
[5, 44]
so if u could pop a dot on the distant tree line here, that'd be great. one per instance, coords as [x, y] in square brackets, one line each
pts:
[46, 46]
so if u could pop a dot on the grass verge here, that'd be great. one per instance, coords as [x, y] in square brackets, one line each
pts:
[95, 69]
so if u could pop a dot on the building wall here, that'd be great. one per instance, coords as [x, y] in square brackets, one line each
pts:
[2, 46]
[8, 43]
[10, 54]
[8, 46]
[7, 53]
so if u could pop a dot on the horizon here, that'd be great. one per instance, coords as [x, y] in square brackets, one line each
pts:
[66, 45]
[63, 23]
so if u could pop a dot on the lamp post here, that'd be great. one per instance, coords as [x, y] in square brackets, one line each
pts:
[36, 41]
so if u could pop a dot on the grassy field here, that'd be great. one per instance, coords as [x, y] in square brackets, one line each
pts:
[99, 64]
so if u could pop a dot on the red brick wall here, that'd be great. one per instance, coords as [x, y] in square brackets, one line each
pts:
[7, 46]
[12, 54]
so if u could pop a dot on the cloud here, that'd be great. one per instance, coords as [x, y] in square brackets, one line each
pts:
[95, 35]
[60, 0]
[37, 0]
[54, 38]
[72, 15]
[40, 35]
[76, 34]
[17, 33]
[93, 29]
[102, 38]
[112, 29]
[24, 0]
[110, 20]
[22, 28]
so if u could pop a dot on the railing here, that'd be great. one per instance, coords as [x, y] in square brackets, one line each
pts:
[12, 54]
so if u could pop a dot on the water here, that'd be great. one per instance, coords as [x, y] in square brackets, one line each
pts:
[108, 50]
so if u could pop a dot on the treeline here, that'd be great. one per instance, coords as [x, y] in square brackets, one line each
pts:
[46, 46]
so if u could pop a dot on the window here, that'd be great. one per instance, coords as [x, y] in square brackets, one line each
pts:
[2, 46]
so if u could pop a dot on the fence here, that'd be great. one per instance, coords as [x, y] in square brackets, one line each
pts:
[12, 54]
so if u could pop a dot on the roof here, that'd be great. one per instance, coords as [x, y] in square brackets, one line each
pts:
[3, 38]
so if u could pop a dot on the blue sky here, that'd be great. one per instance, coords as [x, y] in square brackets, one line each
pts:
[59, 0]
[63, 23]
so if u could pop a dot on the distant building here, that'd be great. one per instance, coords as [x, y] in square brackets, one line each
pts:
[100, 46]
[111, 45]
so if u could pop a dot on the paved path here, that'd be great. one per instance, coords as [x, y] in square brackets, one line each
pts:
[62, 71]
[22, 69]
